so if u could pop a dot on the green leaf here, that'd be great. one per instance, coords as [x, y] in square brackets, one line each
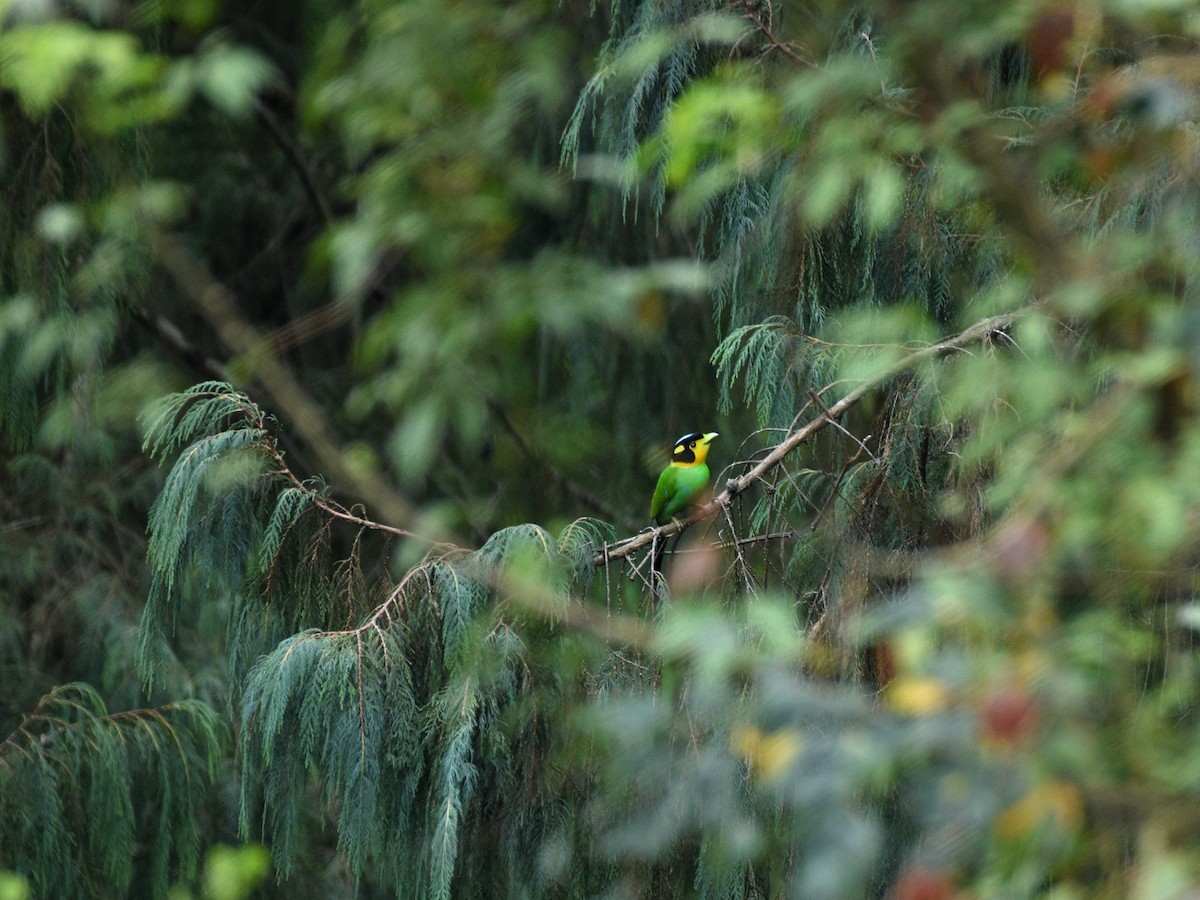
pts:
[232, 77]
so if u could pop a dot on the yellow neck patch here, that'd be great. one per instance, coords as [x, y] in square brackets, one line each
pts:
[693, 453]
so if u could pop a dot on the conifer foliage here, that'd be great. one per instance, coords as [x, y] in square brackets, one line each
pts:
[335, 349]
[73, 775]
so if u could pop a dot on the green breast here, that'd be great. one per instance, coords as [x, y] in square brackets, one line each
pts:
[678, 487]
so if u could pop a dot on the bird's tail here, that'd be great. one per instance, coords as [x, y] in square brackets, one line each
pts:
[660, 547]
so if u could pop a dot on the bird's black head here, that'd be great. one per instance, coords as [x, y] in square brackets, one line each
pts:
[685, 448]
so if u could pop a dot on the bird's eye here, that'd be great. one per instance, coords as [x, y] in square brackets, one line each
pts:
[692, 444]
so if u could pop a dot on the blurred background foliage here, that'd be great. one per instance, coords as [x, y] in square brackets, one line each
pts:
[341, 344]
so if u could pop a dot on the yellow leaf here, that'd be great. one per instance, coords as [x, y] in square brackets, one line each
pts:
[1051, 801]
[769, 753]
[916, 695]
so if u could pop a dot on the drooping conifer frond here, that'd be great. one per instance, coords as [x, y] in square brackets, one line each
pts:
[765, 356]
[408, 720]
[622, 105]
[84, 788]
[229, 529]
[290, 505]
[345, 703]
[204, 409]
[204, 521]
[577, 545]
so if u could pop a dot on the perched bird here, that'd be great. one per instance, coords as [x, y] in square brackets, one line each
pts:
[681, 483]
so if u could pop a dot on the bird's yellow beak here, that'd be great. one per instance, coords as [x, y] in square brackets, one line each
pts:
[707, 439]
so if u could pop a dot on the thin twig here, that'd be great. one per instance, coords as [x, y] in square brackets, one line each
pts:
[307, 178]
[764, 28]
[824, 409]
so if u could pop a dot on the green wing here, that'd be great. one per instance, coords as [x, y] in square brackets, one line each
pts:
[663, 493]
